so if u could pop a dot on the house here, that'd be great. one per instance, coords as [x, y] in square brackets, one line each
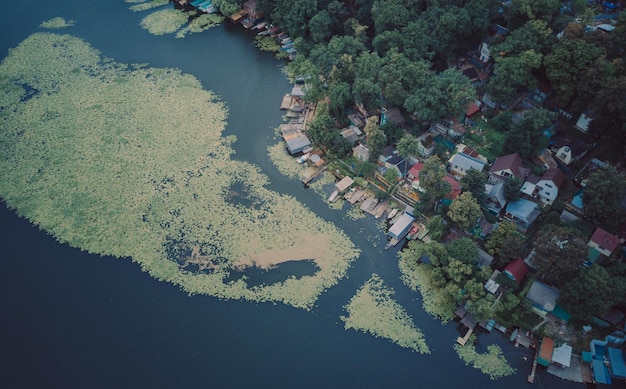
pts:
[394, 116]
[296, 140]
[361, 152]
[542, 297]
[603, 242]
[398, 164]
[401, 227]
[495, 197]
[344, 184]
[530, 188]
[545, 352]
[572, 151]
[508, 166]
[250, 8]
[460, 163]
[549, 185]
[522, 212]
[387, 153]
[516, 270]
[583, 122]
[351, 134]
[426, 145]
[413, 175]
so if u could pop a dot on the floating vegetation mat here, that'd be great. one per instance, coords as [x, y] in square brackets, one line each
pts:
[373, 310]
[130, 161]
[492, 362]
[171, 20]
[418, 277]
[285, 163]
[57, 23]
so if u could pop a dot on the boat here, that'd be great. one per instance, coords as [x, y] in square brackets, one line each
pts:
[334, 196]
[392, 213]
[303, 158]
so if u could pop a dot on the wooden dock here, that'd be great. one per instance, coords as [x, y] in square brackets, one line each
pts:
[531, 377]
[464, 339]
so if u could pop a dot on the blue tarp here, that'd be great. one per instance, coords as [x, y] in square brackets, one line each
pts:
[601, 373]
[616, 359]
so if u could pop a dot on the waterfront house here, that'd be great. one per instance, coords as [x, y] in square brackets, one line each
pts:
[401, 227]
[543, 299]
[344, 184]
[296, 140]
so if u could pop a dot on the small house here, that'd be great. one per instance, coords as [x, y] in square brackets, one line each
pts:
[542, 297]
[516, 270]
[562, 355]
[582, 124]
[426, 145]
[603, 242]
[522, 212]
[394, 116]
[398, 164]
[413, 175]
[495, 197]
[361, 152]
[387, 153]
[344, 184]
[401, 227]
[545, 352]
[461, 163]
[351, 134]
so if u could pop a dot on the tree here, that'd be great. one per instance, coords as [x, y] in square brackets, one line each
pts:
[464, 211]
[474, 183]
[436, 228]
[320, 27]
[504, 243]
[559, 252]
[566, 65]
[512, 188]
[503, 121]
[376, 140]
[431, 178]
[513, 74]
[527, 136]
[446, 94]
[533, 35]
[463, 249]
[591, 292]
[603, 193]
[408, 146]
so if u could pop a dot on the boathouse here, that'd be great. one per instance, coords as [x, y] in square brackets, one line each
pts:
[545, 352]
[401, 227]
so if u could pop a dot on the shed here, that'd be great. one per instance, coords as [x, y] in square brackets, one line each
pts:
[344, 183]
[399, 229]
[545, 352]
[600, 372]
[562, 355]
[516, 270]
[616, 360]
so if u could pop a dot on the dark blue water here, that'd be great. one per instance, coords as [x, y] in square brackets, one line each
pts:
[69, 319]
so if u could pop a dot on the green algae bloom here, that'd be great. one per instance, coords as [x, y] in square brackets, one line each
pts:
[373, 310]
[130, 161]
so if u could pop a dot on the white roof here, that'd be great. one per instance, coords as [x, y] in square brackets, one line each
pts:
[562, 355]
[403, 222]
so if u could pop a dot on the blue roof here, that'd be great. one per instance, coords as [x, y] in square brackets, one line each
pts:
[523, 209]
[601, 372]
[616, 358]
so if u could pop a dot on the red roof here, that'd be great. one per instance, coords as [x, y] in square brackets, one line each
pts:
[473, 109]
[555, 175]
[416, 169]
[455, 187]
[512, 162]
[516, 270]
[547, 346]
[604, 239]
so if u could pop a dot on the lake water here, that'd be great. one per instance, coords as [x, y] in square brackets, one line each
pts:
[70, 319]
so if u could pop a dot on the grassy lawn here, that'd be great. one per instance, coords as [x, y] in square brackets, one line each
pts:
[486, 140]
